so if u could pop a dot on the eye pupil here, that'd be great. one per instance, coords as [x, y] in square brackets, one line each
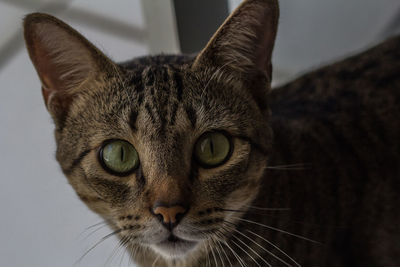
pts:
[118, 157]
[212, 149]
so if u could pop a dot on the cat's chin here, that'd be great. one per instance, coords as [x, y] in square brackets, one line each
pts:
[174, 247]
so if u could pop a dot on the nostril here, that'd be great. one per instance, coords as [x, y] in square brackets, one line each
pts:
[159, 217]
[179, 216]
[169, 216]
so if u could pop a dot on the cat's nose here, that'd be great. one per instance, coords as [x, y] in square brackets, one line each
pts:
[169, 215]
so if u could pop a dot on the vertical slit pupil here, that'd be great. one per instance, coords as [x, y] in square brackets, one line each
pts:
[122, 154]
[212, 146]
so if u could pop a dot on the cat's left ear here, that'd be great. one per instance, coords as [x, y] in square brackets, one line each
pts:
[64, 61]
[242, 46]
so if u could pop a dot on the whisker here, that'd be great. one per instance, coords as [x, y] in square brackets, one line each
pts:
[279, 230]
[248, 254]
[293, 165]
[207, 256]
[286, 169]
[257, 254]
[124, 248]
[95, 245]
[108, 261]
[280, 250]
[242, 264]
[131, 254]
[220, 234]
[102, 223]
[212, 251]
[94, 231]
[223, 251]
[115, 251]
[266, 209]
[290, 167]
[133, 251]
[155, 261]
[266, 250]
[123, 252]
[198, 232]
[219, 252]
[255, 211]
[288, 220]
[94, 225]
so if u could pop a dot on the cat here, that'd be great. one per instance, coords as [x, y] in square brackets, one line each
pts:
[194, 161]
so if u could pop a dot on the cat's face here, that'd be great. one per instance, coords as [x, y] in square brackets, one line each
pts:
[173, 118]
[168, 154]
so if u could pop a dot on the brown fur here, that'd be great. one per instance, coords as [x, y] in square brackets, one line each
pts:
[336, 207]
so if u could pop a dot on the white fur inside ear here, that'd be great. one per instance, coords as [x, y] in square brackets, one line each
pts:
[239, 46]
[69, 60]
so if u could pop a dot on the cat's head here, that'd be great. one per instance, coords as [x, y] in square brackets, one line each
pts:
[168, 151]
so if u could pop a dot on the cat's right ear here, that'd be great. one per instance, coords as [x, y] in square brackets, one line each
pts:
[241, 49]
[64, 61]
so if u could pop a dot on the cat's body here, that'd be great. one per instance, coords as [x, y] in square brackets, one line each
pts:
[341, 123]
[334, 173]
[183, 159]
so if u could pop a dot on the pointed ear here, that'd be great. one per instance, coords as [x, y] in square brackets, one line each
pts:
[63, 59]
[242, 46]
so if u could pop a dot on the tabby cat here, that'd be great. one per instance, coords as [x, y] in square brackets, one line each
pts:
[195, 162]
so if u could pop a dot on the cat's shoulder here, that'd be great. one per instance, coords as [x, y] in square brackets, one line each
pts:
[363, 78]
[378, 63]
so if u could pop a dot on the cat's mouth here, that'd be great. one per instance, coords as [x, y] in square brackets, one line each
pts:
[175, 247]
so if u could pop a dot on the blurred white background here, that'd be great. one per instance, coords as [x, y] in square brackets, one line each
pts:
[41, 218]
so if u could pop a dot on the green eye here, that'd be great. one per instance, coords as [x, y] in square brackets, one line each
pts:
[119, 157]
[212, 149]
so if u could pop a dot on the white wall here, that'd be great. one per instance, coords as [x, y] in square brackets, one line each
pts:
[315, 32]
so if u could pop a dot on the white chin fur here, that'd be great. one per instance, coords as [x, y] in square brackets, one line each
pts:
[174, 250]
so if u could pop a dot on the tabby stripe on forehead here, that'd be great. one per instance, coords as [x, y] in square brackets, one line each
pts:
[173, 114]
[179, 86]
[137, 82]
[140, 99]
[132, 120]
[163, 121]
[150, 112]
[76, 162]
[191, 114]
